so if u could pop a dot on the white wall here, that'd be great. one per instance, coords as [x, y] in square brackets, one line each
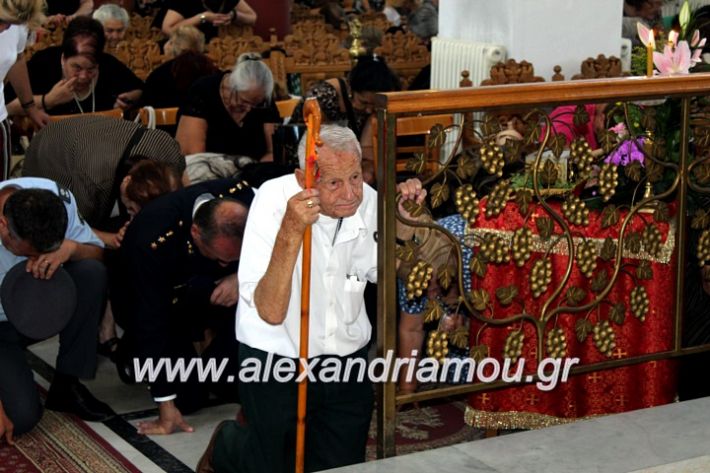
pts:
[543, 32]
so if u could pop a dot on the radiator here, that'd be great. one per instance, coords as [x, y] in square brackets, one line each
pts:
[450, 56]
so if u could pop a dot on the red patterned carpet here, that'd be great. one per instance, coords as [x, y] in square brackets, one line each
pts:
[436, 424]
[62, 444]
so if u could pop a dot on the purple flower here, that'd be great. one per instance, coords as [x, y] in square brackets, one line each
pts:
[627, 152]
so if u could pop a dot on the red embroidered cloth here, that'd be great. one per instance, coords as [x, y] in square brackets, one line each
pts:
[605, 392]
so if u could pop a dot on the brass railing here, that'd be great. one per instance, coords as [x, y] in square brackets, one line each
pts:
[533, 102]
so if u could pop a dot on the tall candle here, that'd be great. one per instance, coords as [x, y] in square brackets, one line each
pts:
[650, 47]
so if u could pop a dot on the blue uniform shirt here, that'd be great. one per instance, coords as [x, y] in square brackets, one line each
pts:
[77, 228]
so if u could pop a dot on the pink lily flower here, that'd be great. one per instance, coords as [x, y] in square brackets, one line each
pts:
[645, 35]
[673, 61]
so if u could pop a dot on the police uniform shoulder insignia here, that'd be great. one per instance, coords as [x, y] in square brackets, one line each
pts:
[163, 238]
[63, 193]
[239, 186]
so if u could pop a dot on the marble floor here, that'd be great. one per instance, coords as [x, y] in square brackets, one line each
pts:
[668, 439]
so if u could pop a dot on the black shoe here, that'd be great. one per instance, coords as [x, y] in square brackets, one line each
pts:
[74, 398]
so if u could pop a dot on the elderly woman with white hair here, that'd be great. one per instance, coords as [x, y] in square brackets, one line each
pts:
[231, 113]
[115, 21]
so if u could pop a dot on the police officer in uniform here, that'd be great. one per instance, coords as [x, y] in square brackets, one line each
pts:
[178, 283]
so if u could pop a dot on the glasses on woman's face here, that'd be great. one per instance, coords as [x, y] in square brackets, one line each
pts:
[244, 101]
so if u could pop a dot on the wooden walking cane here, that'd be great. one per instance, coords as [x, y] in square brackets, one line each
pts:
[312, 117]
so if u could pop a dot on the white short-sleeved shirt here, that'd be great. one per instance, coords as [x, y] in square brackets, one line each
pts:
[77, 229]
[342, 261]
[12, 43]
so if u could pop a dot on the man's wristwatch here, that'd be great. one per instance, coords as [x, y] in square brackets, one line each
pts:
[203, 18]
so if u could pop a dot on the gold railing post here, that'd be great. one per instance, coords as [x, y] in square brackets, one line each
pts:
[386, 282]
[682, 217]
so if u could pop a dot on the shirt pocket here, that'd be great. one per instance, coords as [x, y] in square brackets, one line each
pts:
[354, 292]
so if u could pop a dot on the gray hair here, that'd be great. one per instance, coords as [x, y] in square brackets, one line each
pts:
[335, 137]
[110, 11]
[250, 73]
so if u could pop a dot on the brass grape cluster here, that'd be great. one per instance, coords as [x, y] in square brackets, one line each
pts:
[556, 343]
[494, 250]
[651, 239]
[575, 211]
[703, 249]
[522, 245]
[587, 258]
[513, 347]
[540, 276]
[497, 198]
[467, 203]
[418, 279]
[492, 158]
[639, 302]
[437, 345]
[604, 337]
[608, 180]
[582, 156]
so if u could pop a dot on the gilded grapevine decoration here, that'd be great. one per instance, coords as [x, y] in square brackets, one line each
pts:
[540, 276]
[466, 203]
[418, 279]
[437, 345]
[587, 258]
[494, 250]
[608, 180]
[575, 211]
[581, 155]
[604, 337]
[639, 302]
[513, 347]
[521, 246]
[703, 250]
[556, 343]
[492, 158]
[498, 198]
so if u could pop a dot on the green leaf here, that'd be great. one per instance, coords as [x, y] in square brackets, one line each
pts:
[478, 266]
[644, 270]
[439, 194]
[632, 242]
[610, 216]
[617, 313]
[406, 251]
[608, 252]
[575, 295]
[478, 352]
[433, 311]
[466, 166]
[544, 227]
[523, 197]
[414, 209]
[480, 299]
[506, 294]
[599, 281]
[582, 328]
[445, 276]
[633, 171]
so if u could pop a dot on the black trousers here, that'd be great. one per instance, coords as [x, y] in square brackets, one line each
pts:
[77, 347]
[337, 423]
